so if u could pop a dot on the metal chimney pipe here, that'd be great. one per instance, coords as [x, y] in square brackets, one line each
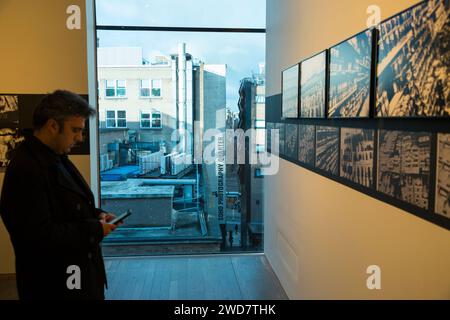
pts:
[182, 107]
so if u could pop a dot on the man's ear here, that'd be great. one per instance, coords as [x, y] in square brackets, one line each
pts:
[53, 126]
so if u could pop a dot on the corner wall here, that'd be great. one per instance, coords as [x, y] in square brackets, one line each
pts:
[320, 236]
[39, 55]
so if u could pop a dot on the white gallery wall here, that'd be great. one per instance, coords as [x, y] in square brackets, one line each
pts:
[39, 55]
[321, 236]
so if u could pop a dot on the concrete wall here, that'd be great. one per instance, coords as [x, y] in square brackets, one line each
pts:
[39, 54]
[320, 236]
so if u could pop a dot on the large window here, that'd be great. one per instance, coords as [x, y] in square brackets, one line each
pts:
[180, 65]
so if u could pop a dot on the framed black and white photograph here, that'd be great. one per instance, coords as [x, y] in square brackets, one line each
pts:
[313, 86]
[350, 77]
[281, 132]
[290, 82]
[306, 139]
[357, 151]
[442, 205]
[10, 139]
[413, 62]
[291, 147]
[327, 149]
[404, 166]
[9, 109]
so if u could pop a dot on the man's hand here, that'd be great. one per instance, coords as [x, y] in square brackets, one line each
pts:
[107, 227]
[106, 217]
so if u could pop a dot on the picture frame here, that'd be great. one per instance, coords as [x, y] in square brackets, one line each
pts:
[412, 63]
[442, 188]
[290, 92]
[351, 76]
[404, 170]
[313, 86]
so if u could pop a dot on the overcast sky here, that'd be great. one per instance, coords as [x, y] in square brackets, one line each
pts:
[241, 52]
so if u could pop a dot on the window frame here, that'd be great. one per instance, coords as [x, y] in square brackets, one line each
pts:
[116, 119]
[115, 88]
[151, 114]
[160, 88]
[141, 87]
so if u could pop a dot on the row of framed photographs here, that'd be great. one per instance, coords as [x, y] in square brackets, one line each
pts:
[394, 163]
[397, 70]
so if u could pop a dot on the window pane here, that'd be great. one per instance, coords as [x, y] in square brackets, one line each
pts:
[109, 83]
[121, 114]
[145, 92]
[145, 83]
[216, 66]
[110, 114]
[156, 84]
[110, 123]
[145, 123]
[156, 123]
[110, 92]
[156, 92]
[182, 13]
[121, 92]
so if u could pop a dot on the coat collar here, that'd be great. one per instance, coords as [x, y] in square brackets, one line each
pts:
[44, 154]
[47, 158]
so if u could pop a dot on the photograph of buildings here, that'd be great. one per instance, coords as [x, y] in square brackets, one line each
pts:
[9, 109]
[350, 77]
[291, 147]
[413, 63]
[357, 146]
[404, 166]
[281, 132]
[9, 140]
[312, 87]
[290, 92]
[306, 138]
[443, 176]
[327, 149]
[269, 128]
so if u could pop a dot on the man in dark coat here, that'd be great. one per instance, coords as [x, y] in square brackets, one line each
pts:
[49, 211]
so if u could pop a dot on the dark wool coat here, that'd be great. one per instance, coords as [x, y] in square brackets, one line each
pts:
[49, 212]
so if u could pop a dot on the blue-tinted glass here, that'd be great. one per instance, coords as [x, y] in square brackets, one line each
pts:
[183, 13]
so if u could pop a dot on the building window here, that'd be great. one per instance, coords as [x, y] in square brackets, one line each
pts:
[145, 88]
[151, 119]
[115, 89]
[260, 99]
[145, 120]
[116, 119]
[260, 124]
[156, 88]
[156, 120]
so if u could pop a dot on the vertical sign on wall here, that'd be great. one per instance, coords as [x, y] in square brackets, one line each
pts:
[220, 164]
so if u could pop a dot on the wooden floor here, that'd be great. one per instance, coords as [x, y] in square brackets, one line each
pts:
[221, 277]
